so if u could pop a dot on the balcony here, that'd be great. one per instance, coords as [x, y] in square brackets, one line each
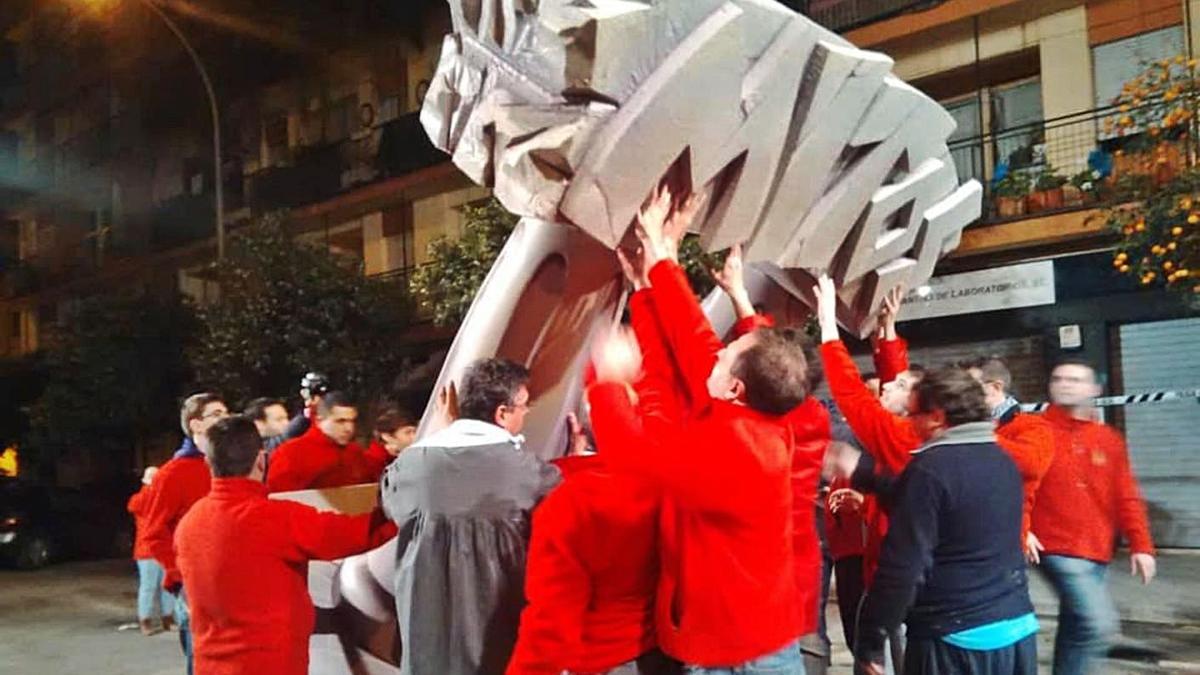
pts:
[178, 221]
[1069, 163]
[321, 172]
[840, 16]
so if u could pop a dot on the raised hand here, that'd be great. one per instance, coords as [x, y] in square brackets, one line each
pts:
[732, 280]
[616, 357]
[845, 499]
[826, 294]
[682, 217]
[889, 311]
[652, 225]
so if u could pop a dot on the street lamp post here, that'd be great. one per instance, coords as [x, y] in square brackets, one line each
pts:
[216, 122]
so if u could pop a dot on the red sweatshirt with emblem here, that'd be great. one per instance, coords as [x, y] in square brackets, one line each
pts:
[1089, 494]
[314, 461]
[591, 573]
[244, 560]
[727, 592]
[136, 506]
[179, 484]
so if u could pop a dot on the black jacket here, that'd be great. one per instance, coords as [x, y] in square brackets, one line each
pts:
[952, 557]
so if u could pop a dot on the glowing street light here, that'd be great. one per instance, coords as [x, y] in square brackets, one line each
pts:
[219, 191]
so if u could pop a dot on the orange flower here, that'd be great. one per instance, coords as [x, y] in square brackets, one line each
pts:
[1172, 246]
[1168, 265]
[1183, 273]
[1140, 226]
[1124, 269]
[1176, 231]
[1193, 219]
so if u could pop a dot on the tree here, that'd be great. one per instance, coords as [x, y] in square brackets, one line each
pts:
[113, 373]
[287, 307]
[1158, 183]
[448, 284]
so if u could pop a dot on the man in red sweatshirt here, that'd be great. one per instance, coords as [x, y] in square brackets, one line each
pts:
[1088, 494]
[726, 598]
[155, 604]
[811, 433]
[244, 559]
[179, 484]
[326, 456]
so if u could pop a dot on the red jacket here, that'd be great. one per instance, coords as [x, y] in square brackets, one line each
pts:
[727, 592]
[314, 461]
[1089, 493]
[811, 435]
[1029, 440]
[180, 483]
[136, 507]
[591, 573]
[846, 531]
[244, 560]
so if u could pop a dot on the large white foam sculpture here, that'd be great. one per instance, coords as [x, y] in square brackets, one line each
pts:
[816, 157]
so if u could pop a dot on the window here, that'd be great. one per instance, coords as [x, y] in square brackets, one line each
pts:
[1011, 128]
[275, 130]
[1116, 63]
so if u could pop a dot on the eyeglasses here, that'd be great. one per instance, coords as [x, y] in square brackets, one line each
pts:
[215, 415]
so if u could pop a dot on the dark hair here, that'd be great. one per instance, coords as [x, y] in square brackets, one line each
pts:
[870, 375]
[991, 369]
[487, 385]
[193, 408]
[334, 399]
[954, 392]
[391, 419]
[774, 371]
[816, 373]
[917, 370]
[257, 409]
[1075, 361]
[234, 444]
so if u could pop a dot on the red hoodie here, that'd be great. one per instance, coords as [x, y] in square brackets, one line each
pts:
[727, 589]
[1089, 493]
[180, 483]
[591, 573]
[846, 530]
[137, 508]
[314, 461]
[245, 559]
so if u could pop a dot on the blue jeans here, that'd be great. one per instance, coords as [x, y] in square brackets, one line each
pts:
[153, 602]
[183, 619]
[1087, 618]
[786, 661]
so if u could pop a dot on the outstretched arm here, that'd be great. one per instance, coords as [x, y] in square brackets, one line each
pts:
[889, 438]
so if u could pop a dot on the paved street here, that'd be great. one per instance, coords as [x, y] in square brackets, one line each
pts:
[64, 620]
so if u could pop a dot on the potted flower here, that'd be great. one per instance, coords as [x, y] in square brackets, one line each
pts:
[1047, 191]
[1010, 193]
[1083, 188]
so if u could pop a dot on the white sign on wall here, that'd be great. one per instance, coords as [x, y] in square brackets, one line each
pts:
[1025, 285]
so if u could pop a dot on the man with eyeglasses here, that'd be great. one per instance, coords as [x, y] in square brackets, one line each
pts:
[462, 498]
[1028, 439]
[181, 482]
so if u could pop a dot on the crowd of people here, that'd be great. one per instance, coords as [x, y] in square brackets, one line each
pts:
[694, 522]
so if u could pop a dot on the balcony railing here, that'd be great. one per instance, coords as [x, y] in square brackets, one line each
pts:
[1071, 162]
[844, 15]
[318, 173]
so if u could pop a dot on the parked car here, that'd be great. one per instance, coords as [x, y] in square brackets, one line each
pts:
[41, 524]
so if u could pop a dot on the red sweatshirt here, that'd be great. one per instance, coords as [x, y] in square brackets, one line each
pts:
[1029, 440]
[846, 530]
[136, 507]
[1089, 493]
[314, 461]
[245, 559]
[727, 592]
[590, 605]
[180, 483]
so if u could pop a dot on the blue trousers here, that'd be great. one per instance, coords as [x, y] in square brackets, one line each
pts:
[786, 661]
[183, 619]
[153, 602]
[1087, 618]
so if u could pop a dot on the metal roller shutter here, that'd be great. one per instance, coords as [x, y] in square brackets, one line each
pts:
[1164, 438]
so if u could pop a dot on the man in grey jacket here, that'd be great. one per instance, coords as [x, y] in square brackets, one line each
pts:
[462, 499]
